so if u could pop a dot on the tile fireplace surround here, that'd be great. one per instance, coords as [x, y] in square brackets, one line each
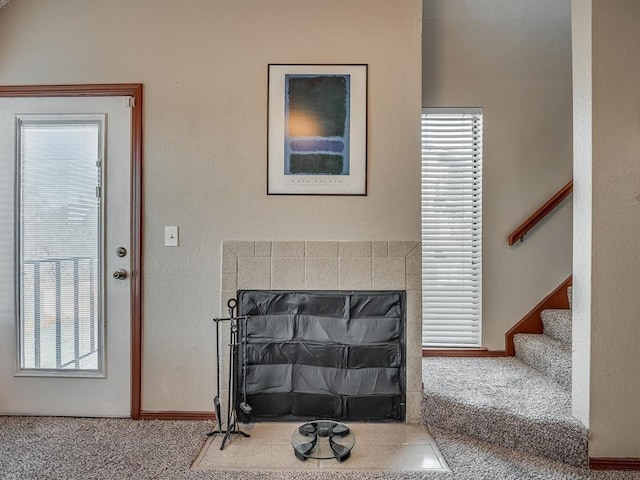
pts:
[334, 265]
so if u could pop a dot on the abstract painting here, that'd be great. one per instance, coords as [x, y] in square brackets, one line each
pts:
[317, 129]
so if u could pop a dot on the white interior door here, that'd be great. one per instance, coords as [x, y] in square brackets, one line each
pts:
[65, 206]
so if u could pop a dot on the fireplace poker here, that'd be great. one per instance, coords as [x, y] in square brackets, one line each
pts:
[244, 406]
[216, 400]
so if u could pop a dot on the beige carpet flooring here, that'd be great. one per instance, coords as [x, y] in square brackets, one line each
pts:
[36, 448]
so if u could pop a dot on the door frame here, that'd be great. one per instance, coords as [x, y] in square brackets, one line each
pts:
[133, 90]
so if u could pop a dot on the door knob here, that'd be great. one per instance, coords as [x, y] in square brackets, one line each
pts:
[120, 274]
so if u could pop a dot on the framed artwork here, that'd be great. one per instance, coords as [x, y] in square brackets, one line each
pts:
[317, 130]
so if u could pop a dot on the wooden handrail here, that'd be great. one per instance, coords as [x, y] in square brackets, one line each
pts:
[543, 211]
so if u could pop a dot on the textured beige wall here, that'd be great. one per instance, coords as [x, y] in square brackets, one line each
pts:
[204, 67]
[513, 58]
[615, 303]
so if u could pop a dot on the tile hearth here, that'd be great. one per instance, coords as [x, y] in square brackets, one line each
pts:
[379, 447]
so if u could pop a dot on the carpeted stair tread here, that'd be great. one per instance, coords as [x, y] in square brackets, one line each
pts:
[557, 324]
[505, 402]
[545, 354]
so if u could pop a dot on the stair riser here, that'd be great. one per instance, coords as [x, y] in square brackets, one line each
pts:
[555, 441]
[557, 324]
[554, 363]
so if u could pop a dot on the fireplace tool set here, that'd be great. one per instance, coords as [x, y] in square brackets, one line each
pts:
[232, 417]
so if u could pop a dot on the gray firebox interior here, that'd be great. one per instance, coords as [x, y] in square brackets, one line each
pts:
[306, 355]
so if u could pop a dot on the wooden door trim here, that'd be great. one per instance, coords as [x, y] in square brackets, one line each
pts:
[133, 90]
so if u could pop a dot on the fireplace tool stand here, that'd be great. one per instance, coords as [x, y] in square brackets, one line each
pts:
[232, 417]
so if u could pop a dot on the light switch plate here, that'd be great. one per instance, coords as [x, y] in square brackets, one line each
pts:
[170, 236]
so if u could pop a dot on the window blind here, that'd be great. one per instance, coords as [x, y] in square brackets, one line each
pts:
[451, 227]
[60, 229]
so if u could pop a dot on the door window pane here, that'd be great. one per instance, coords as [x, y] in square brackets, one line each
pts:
[59, 212]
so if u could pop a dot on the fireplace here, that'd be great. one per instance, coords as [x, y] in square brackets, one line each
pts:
[334, 266]
[322, 354]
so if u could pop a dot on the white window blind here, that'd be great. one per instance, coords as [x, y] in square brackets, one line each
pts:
[451, 227]
[59, 212]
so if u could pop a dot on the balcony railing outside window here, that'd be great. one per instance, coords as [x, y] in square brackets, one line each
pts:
[60, 321]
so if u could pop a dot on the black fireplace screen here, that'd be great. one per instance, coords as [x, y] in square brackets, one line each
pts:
[307, 355]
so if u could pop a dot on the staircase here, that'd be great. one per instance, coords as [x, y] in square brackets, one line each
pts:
[521, 402]
[550, 353]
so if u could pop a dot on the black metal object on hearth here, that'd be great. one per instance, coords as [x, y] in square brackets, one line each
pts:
[232, 427]
[323, 440]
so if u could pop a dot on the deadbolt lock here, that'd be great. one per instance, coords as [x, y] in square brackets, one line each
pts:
[121, 251]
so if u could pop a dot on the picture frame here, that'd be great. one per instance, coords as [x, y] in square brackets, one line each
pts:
[317, 129]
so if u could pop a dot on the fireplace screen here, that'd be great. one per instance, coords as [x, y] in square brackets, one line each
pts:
[305, 355]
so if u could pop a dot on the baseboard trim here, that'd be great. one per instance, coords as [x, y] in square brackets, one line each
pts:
[612, 463]
[462, 352]
[175, 415]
